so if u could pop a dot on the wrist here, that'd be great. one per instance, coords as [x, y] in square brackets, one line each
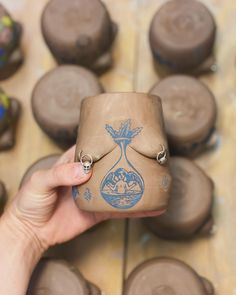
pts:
[20, 251]
[20, 236]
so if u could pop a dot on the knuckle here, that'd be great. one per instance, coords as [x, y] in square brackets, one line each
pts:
[57, 173]
[36, 176]
[64, 159]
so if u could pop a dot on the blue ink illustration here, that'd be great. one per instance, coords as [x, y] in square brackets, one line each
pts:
[87, 194]
[123, 186]
[75, 192]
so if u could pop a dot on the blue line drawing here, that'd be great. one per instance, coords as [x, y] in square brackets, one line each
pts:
[123, 186]
[75, 192]
[87, 194]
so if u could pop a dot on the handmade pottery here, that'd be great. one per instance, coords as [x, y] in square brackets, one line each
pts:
[56, 100]
[11, 56]
[86, 33]
[166, 276]
[58, 277]
[182, 35]
[189, 210]
[123, 135]
[9, 114]
[190, 111]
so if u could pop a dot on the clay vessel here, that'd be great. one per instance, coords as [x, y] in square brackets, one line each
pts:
[182, 35]
[56, 100]
[123, 135]
[189, 210]
[190, 114]
[11, 56]
[166, 276]
[58, 277]
[9, 114]
[86, 33]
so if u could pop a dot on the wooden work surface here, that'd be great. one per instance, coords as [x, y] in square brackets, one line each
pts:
[99, 254]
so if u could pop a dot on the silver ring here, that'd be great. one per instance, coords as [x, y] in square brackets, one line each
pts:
[162, 155]
[87, 164]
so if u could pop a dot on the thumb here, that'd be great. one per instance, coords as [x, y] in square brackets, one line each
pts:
[62, 175]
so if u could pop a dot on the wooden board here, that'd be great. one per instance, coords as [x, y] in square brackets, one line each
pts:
[212, 257]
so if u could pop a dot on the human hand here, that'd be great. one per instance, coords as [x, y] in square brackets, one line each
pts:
[43, 214]
[45, 208]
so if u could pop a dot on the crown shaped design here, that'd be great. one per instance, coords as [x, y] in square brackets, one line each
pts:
[124, 133]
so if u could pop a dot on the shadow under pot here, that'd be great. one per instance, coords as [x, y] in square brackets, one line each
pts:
[182, 35]
[58, 277]
[189, 114]
[123, 135]
[3, 197]
[56, 100]
[41, 164]
[167, 276]
[9, 114]
[11, 56]
[86, 33]
[189, 210]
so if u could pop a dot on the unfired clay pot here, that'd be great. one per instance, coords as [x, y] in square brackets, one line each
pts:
[166, 276]
[9, 114]
[79, 32]
[123, 135]
[189, 210]
[57, 277]
[182, 35]
[190, 114]
[56, 100]
[11, 56]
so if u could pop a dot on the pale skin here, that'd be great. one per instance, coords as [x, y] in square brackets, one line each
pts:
[43, 214]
